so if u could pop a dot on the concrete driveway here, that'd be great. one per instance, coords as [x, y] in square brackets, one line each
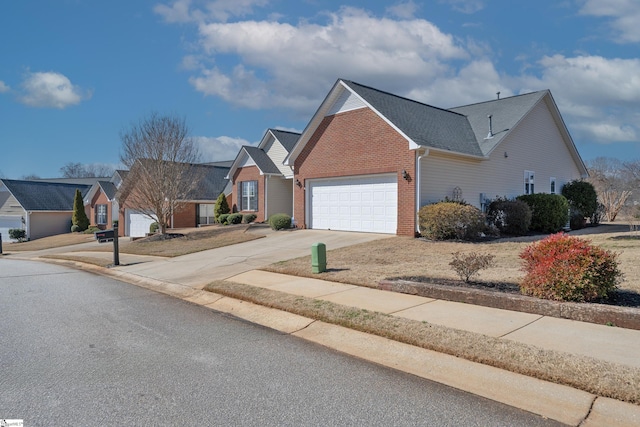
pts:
[198, 269]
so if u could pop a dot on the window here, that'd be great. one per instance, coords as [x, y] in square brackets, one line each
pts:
[101, 214]
[205, 214]
[552, 185]
[529, 180]
[248, 195]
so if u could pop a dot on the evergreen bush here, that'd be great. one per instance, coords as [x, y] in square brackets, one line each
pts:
[509, 216]
[566, 268]
[249, 218]
[222, 219]
[549, 212]
[18, 234]
[221, 207]
[280, 221]
[235, 218]
[582, 197]
[450, 220]
[79, 216]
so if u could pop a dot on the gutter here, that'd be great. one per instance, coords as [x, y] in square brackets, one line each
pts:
[418, 159]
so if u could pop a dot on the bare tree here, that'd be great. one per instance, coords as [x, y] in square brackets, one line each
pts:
[92, 170]
[160, 156]
[30, 177]
[612, 183]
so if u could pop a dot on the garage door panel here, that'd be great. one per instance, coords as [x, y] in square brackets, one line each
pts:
[355, 204]
[138, 223]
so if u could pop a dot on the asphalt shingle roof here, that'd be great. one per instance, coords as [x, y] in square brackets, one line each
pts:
[424, 124]
[109, 189]
[212, 182]
[262, 160]
[44, 196]
[286, 138]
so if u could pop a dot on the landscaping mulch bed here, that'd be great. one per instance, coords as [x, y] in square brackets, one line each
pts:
[622, 310]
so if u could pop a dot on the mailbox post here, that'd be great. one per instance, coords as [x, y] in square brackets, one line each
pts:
[116, 250]
[318, 258]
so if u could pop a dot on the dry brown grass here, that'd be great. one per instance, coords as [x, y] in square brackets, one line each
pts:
[48, 242]
[101, 262]
[368, 263]
[194, 240]
[591, 375]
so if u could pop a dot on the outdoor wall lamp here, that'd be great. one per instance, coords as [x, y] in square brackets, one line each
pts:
[405, 175]
[298, 183]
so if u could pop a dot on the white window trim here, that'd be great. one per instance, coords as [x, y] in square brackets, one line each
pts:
[529, 182]
[246, 198]
[99, 214]
[553, 185]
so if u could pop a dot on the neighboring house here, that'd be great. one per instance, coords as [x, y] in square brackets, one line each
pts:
[41, 208]
[261, 183]
[368, 159]
[101, 204]
[197, 207]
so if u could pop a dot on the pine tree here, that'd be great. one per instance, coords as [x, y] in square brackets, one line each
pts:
[79, 217]
[221, 207]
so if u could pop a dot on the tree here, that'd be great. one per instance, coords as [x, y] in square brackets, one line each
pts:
[221, 206]
[612, 184]
[79, 217]
[30, 177]
[582, 197]
[160, 157]
[79, 170]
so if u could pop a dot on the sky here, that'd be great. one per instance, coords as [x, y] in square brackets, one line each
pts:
[75, 74]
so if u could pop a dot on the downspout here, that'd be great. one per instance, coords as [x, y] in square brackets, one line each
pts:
[266, 186]
[419, 158]
[28, 225]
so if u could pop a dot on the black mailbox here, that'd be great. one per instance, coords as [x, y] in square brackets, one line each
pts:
[104, 236]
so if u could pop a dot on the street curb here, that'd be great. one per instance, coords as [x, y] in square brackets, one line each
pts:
[558, 402]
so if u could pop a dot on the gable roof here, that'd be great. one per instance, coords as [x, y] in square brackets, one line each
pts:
[505, 114]
[44, 196]
[287, 139]
[212, 182]
[423, 124]
[461, 130]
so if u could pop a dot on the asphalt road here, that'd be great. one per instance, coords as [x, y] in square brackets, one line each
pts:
[83, 350]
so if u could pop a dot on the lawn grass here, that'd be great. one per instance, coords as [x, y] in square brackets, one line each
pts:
[594, 376]
[48, 242]
[368, 263]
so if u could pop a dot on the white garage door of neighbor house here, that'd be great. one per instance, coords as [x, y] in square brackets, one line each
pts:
[7, 223]
[368, 204]
[138, 223]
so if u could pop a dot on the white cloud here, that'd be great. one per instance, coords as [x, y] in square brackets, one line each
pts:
[52, 90]
[465, 6]
[276, 59]
[215, 149]
[180, 11]
[624, 14]
[404, 10]
[4, 87]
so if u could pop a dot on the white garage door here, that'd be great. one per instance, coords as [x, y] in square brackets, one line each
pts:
[367, 204]
[137, 223]
[8, 222]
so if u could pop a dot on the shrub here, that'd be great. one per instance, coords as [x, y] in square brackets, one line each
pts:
[222, 219]
[249, 218]
[18, 234]
[221, 207]
[75, 228]
[566, 268]
[79, 216]
[582, 197]
[577, 221]
[235, 218]
[549, 212]
[509, 216]
[598, 214]
[450, 220]
[92, 229]
[154, 227]
[280, 221]
[468, 265]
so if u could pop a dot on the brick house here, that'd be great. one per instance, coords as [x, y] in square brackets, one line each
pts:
[368, 159]
[261, 183]
[101, 204]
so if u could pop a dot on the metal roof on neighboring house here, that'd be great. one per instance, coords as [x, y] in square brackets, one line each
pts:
[43, 195]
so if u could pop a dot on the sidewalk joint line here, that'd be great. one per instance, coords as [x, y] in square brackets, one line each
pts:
[586, 417]
[521, 327]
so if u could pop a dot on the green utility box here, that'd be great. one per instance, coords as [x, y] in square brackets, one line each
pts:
[318, 258]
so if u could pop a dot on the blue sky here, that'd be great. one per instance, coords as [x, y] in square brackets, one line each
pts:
[75, 73]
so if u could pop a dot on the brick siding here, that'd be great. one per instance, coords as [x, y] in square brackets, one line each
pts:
[249, 173]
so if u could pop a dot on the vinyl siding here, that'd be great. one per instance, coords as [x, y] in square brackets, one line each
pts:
[535, 144]
[246, 161]
[347, 101]
[277, 154]
[8, 204]
[280, 196]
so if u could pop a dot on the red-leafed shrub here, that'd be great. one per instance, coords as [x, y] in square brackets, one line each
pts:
[566, 268]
